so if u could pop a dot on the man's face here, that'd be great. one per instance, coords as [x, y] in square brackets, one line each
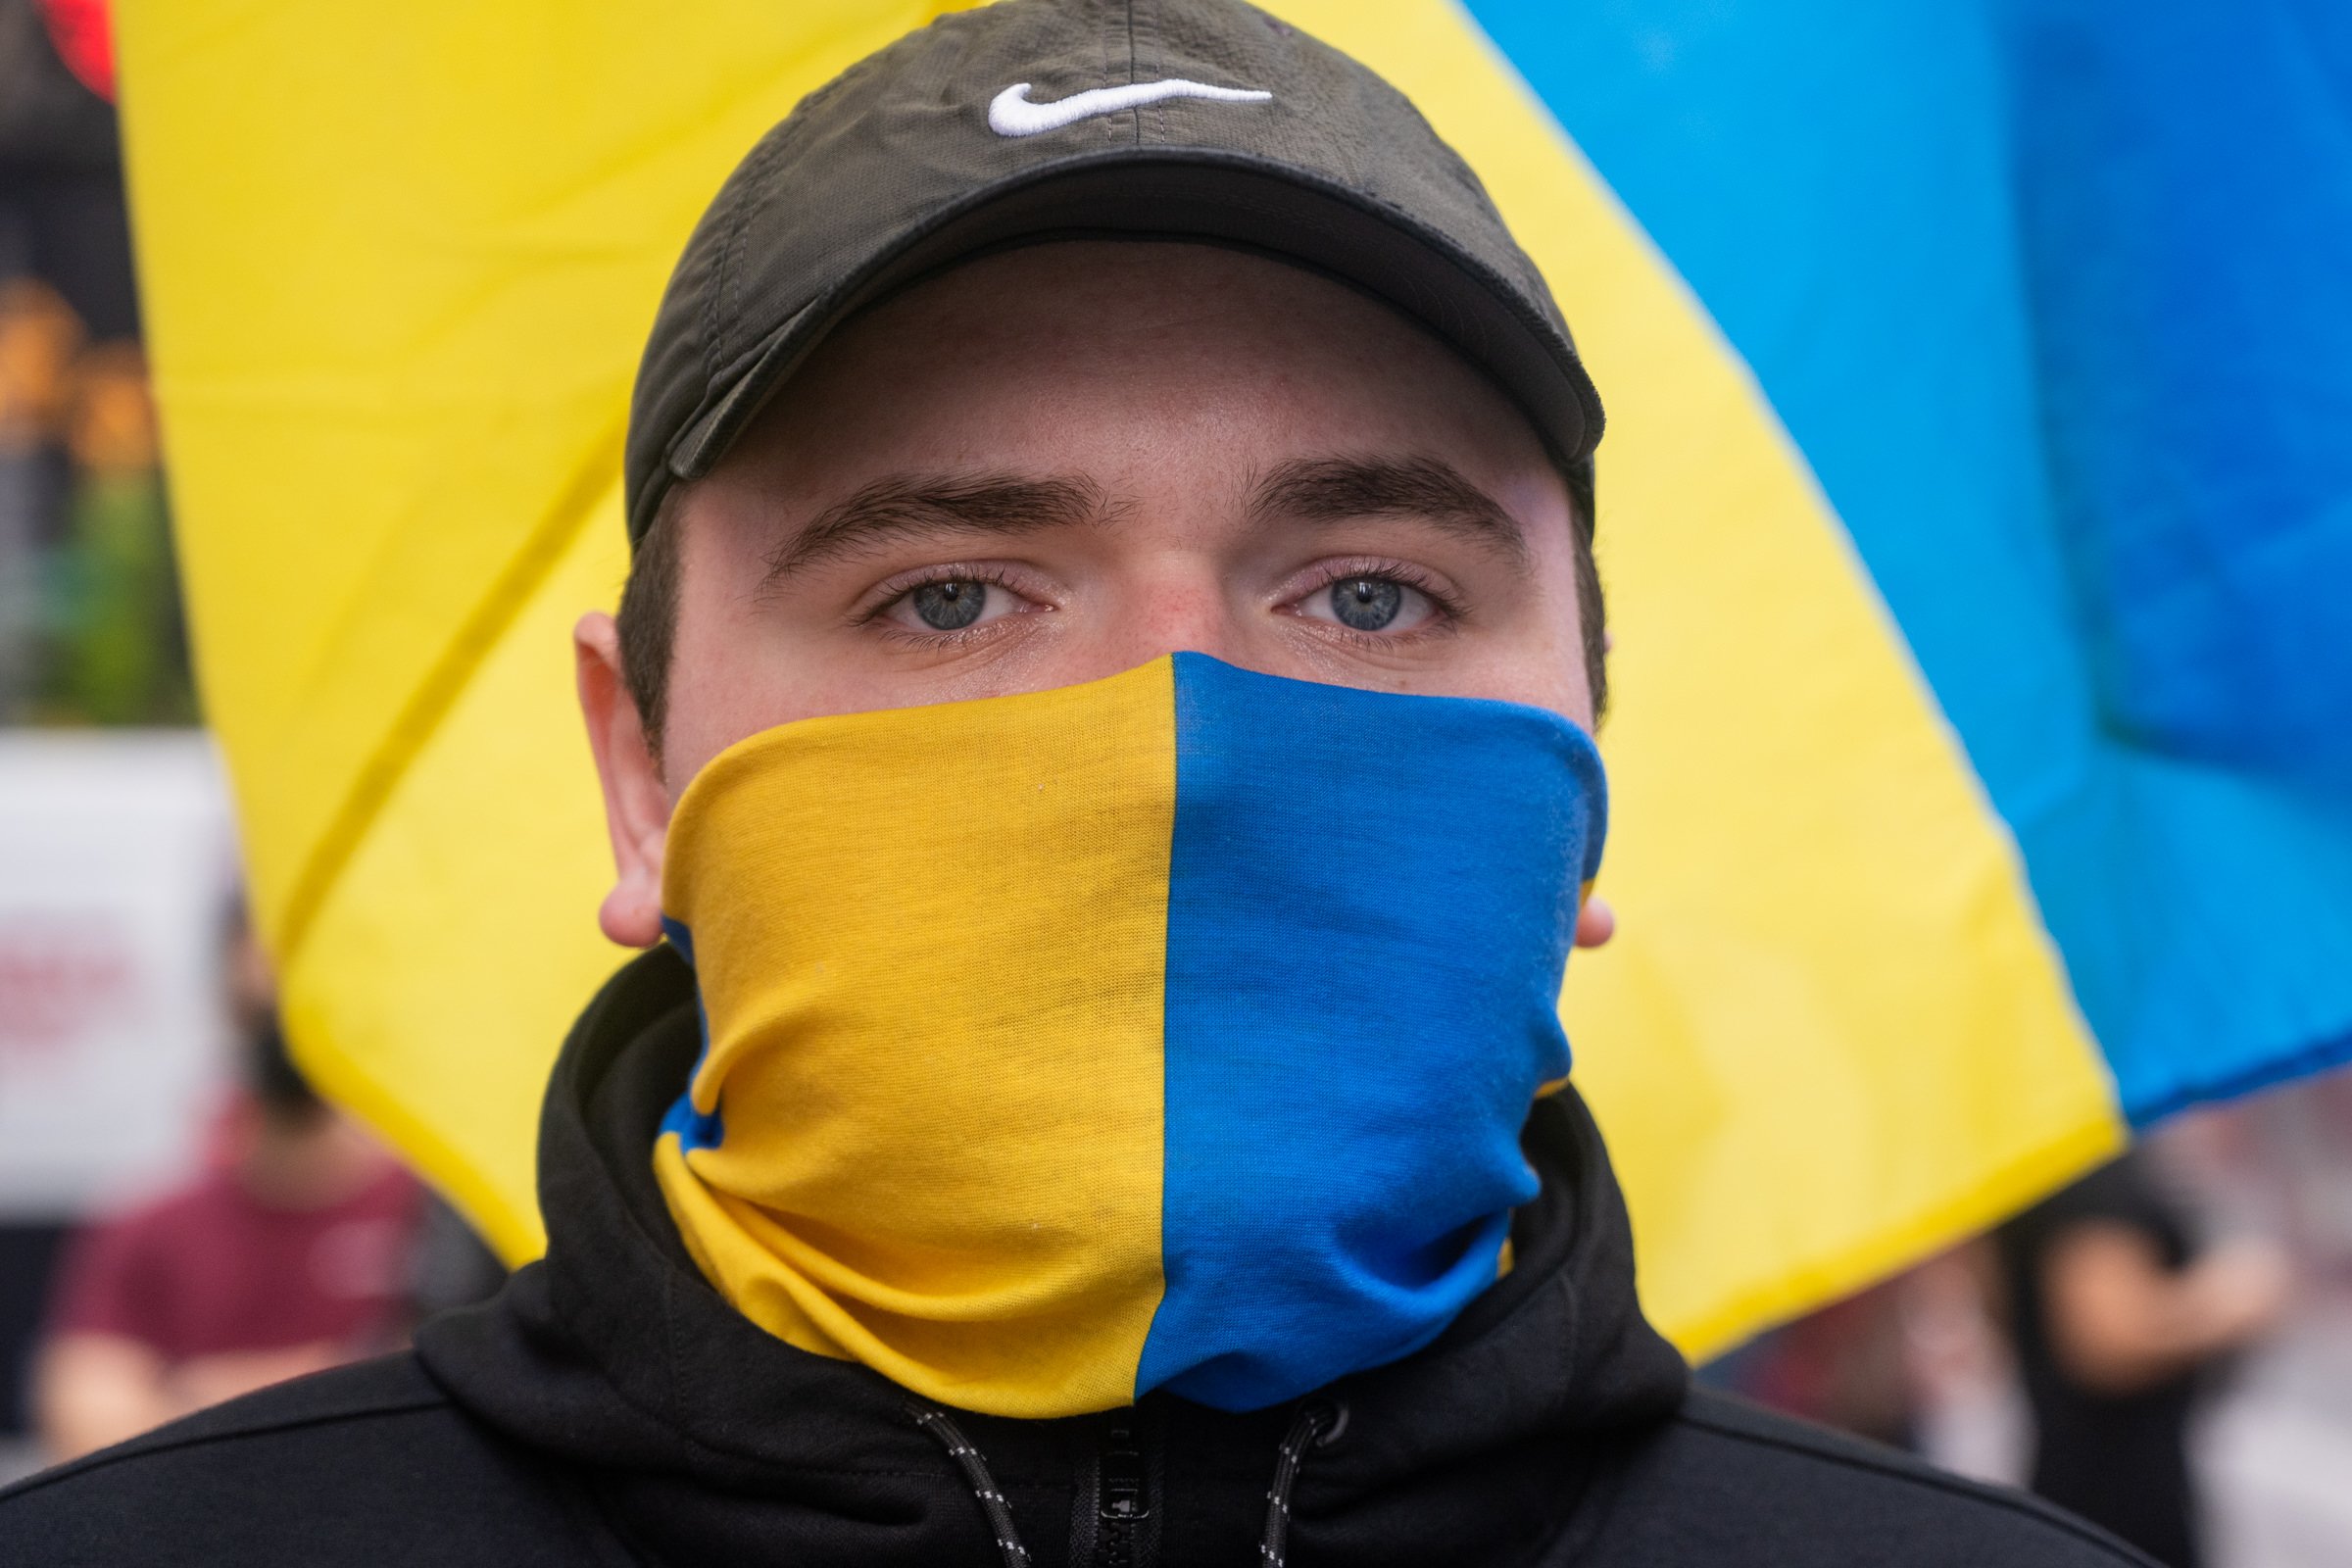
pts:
[1060, 463]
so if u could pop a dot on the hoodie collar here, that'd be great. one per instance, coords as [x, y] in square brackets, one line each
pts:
[613, 1352]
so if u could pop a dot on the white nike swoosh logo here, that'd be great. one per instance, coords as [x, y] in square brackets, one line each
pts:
[1011, 113]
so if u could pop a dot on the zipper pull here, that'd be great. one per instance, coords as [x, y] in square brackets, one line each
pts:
[1121, 1497]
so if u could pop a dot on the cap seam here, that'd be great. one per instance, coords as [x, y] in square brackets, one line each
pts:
[748, 180]
[1134, 72]
[758, 188]
[722, 270]
[1111, 11]
[1150, 18]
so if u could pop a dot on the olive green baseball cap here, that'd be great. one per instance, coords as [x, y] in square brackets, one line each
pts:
[1029, 121]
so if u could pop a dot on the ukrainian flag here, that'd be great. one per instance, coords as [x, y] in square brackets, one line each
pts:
[1976, 509]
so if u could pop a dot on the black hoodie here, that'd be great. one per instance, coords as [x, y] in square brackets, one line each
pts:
[609, 1408]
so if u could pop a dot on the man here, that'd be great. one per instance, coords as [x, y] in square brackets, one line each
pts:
[2116, 1313]
[1098, 726]
[288, 1254]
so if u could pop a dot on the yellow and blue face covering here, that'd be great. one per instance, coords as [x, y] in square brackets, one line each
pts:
[1170, 1031]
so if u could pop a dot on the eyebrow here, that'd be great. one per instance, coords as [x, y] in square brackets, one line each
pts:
[1338, 489]
[913, 505]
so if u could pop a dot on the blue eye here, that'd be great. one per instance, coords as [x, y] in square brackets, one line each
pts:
[950, 606]
[1366, 604]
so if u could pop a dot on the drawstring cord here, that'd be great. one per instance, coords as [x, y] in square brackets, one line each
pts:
[975, 1472]
[1317, 1424]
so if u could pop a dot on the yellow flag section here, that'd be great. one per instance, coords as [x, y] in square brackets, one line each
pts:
[399, 262]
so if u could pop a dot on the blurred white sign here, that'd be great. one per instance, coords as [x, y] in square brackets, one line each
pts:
[116, 863]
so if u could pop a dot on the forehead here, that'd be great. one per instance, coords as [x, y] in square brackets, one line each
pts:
[1135, 355]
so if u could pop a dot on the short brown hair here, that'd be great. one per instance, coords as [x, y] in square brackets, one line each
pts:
[649, 607]
[648, 621]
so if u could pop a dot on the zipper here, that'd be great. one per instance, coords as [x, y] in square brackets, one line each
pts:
[1123, 1498]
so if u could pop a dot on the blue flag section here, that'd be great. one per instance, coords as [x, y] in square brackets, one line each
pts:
[2056, 300]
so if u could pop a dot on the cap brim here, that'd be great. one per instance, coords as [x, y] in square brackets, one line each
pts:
[1230, 199]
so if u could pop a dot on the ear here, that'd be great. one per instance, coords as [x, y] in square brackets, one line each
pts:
[1595, 921]
[636, 800]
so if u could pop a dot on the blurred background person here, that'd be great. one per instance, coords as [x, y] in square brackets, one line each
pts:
[289, 1253]
[2238, 1453]
[2115, 1314]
